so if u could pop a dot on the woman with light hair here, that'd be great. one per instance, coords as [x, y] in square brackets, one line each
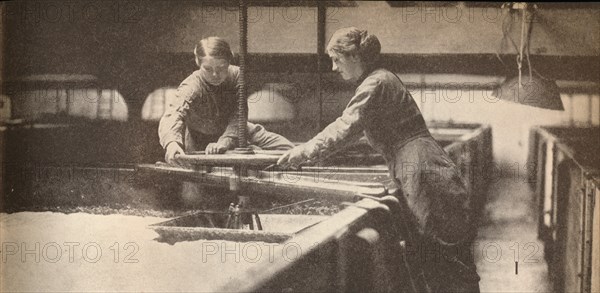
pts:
[428, 182]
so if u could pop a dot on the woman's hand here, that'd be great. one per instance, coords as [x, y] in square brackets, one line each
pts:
[292, 158]
[255, 147]
[215, 148]
[173, 149]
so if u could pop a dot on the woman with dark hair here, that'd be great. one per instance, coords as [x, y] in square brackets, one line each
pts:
[428, 182]
[203, 115]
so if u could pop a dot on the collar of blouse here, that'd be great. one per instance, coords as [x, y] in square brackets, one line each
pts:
[366, 73]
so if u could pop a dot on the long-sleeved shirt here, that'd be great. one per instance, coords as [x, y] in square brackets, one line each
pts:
[203, 108]
[384, 111]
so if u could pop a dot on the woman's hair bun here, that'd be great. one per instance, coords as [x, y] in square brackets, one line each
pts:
[369, 47]
[353, 41]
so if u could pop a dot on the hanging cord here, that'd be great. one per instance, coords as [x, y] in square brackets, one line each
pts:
[530, 28]
[506, 28]
[521, 47]
[527, 42]
[502, 41]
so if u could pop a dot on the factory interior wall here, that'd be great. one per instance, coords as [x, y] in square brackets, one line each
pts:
[53, 37]
[44, 30]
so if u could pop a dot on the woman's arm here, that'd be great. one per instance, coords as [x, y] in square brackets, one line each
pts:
[344, 130]
[171, 127]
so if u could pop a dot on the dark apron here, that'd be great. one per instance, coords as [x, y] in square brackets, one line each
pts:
[435, 201]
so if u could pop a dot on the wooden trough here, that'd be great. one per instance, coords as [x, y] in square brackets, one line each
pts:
[564, 174]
